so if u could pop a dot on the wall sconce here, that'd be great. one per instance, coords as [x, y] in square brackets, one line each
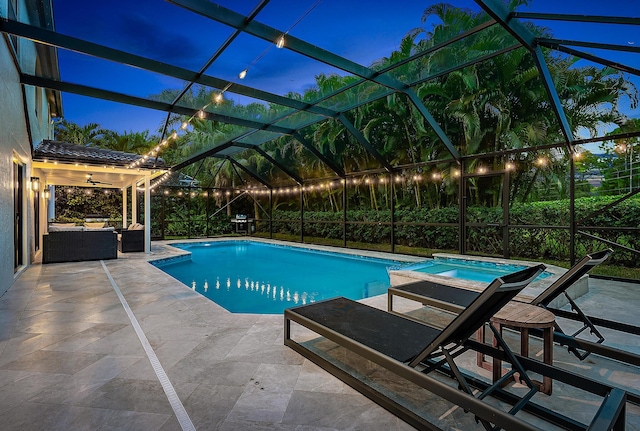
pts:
[46, 194]
[35, 184]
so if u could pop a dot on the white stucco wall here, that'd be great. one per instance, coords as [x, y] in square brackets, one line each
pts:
[15, 144]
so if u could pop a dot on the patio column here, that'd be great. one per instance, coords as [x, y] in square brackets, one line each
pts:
[147, 214]
[51, 204]
[124, 208]
[134, 203]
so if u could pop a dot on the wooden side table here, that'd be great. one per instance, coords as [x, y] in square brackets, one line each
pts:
[521, 316]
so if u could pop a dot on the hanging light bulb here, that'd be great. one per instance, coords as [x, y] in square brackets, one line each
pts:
[242, 74]
[201, 114]
[280, 42]
[184, 125]
[218, 98]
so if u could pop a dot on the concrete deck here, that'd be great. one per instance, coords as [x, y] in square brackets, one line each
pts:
[71, 357]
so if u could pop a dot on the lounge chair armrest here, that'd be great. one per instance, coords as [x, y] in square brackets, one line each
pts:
[612, 412]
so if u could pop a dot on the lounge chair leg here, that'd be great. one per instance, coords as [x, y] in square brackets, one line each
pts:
[587, 322]
[464, 386]
[516, 367]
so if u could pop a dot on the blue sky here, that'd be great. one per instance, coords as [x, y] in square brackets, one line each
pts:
[360, 31]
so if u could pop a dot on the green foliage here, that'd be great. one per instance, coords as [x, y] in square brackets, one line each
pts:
[437, 229]
[76, 203]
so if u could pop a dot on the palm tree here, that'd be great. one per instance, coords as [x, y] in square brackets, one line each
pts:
[91, 135]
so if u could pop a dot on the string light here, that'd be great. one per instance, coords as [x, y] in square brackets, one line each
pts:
[329, 185]
[280, 42]
[242, 74]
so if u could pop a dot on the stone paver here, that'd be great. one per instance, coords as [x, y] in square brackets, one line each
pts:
[70, 359]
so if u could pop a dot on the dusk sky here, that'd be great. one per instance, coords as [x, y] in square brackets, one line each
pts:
[360, 31]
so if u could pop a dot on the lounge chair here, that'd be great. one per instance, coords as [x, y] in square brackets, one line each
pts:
[455, 299]
[412, 349]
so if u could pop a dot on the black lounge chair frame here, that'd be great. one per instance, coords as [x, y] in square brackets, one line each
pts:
[397, 343]
[455, 299]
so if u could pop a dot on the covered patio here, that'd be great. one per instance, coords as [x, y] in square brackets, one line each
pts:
[65, 165]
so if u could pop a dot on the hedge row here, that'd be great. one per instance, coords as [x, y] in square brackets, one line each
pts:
[550, 240]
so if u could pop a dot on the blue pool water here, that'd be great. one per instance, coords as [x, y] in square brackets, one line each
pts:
[251, 277]
[468, 269]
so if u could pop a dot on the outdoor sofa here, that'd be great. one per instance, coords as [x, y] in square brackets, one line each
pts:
[131, 239]
[70, 243]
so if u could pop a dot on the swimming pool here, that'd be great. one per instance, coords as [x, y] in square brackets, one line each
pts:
[472, 270]
[253, 277]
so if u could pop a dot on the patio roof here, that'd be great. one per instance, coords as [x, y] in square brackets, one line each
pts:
[67, 164]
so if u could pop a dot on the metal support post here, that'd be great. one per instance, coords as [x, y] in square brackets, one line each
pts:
[462, 212]
[572, 209]
[344, 212]
[505, 215]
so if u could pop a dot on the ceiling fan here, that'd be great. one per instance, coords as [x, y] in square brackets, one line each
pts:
[91, 181]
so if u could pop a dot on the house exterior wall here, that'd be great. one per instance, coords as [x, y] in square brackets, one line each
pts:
[17, 137]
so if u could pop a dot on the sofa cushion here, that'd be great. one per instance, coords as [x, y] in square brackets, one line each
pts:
[71, 228]
[63, 224]
[94, 225]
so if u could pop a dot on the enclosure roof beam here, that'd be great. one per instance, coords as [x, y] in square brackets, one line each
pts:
[270, 34]
[598, 19]
[213, 58]
[433, 123]
[273, 161]
[249, 172]
[593, 58]
[144, 103]
[498, 11]
[594, 45]
[221, 49]
[74, 44]
[212, 152]
[364, 142]
[547, 81]
[331, 165]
